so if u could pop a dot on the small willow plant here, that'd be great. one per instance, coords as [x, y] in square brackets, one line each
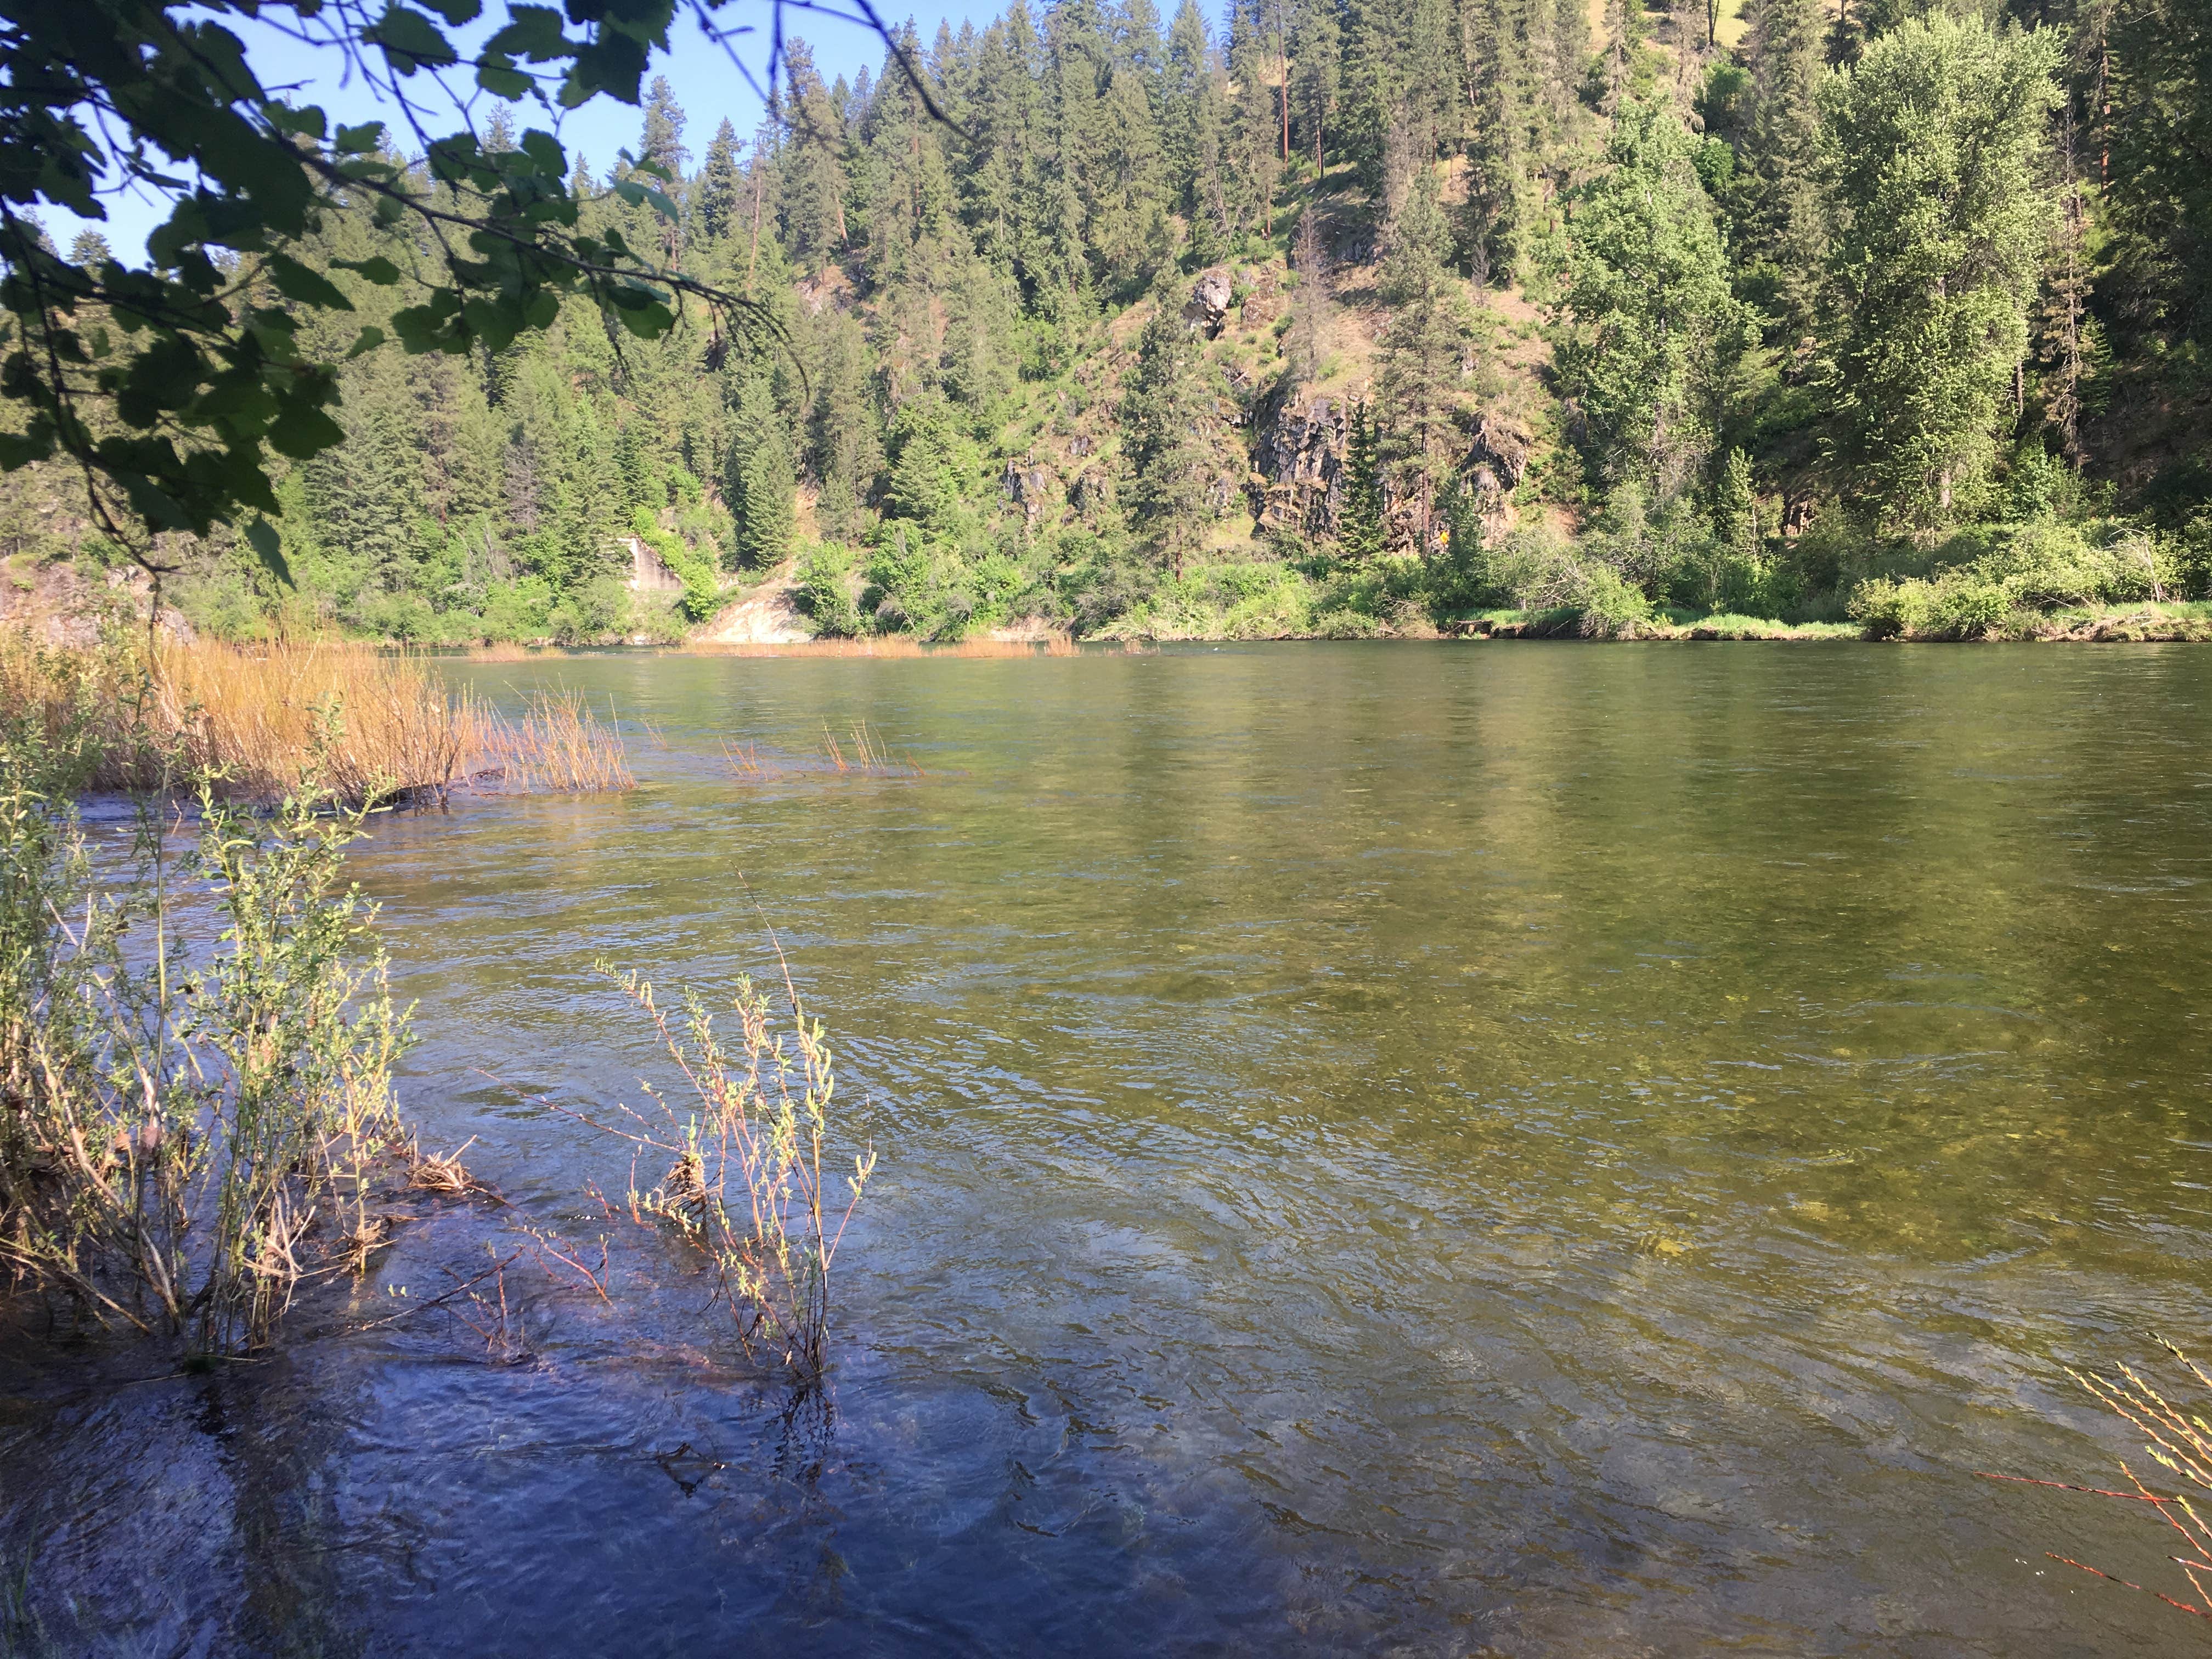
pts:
[178, 1149]
[744, 1185]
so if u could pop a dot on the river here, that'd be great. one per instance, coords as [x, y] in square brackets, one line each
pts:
[1426, 1149]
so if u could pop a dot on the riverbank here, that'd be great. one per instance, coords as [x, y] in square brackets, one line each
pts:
[2148, 624]
[2172, 622]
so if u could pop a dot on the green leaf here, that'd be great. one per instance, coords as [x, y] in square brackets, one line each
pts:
[307, 121]
[545, 149]
[502, 81]
[378, 270]
[360, 140]
[648, 321]
[368, 340]
[262, 537]
[531, 32]
[456, 12]
[409, 41]
[302, 431]
[613, 63]
[310, 287]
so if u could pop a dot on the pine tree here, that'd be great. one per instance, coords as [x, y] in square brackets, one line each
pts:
[2066, 348]
[996, 173]
[1781, 221]
[1422, 350]
[1376, 45]
[1253, 164]
[907, 186]
[760, 483]
[367, 496]
[1506, 149]
[1310, 314]
[1317, 79]
[643, 480]
[2154, 59]
[812, 172]
[1170, 406]
[1213, 191]
[663, 140]
[1129, 226]
[1736, 506]
[1359, 525]
[1189, 65]
[718, 199]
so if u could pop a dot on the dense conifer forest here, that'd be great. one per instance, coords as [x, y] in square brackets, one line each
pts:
[1357, 316]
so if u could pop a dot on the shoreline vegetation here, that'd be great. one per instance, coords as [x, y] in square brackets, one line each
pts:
[349, 723]
[197, 1122]
[2148, 624]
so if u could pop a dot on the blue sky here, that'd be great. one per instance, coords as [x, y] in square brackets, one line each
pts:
[698, 69]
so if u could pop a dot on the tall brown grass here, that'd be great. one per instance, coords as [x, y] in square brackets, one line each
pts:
[862, 754]
[555, 745]
[361, 725]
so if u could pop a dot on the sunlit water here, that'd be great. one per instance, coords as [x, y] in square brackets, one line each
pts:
[1507, 1148]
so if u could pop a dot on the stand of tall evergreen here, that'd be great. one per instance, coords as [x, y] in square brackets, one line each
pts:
[1349, 315]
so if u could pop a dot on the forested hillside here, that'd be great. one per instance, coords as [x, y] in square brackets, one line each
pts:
[1367, 315]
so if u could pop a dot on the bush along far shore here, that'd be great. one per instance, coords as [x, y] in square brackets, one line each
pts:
[2045, 579]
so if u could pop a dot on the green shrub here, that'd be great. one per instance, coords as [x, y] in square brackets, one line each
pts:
[1958, 604]
[1343, 624]
[825, 592]
[589, 612]
[702, 590]
[1611, 607]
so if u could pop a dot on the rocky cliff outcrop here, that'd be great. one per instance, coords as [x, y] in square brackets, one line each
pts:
[1298, 454]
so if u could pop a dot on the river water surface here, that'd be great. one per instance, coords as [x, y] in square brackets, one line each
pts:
[1425, 1150]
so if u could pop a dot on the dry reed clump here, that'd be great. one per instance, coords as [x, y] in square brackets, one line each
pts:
[744, 1184]
[507, 651]
[862, 753]
[869, 756]
[555, 745]
[384, 724]
[2179, 1441]
[442, 1174]
[366, 726]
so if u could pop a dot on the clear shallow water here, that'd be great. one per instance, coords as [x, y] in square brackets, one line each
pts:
[1485, 1148]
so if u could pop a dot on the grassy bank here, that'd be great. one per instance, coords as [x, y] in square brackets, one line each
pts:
[2114, 624]
[254, 723]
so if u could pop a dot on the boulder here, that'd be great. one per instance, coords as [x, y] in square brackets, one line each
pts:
[1208, 309]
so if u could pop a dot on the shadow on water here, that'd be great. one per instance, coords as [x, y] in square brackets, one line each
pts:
[1482, 1149]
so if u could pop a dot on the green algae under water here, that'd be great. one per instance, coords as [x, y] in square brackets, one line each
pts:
[1432, 1150]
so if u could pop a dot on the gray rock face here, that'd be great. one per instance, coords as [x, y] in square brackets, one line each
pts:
[1208, 309]
[1028, 487]
[1497, 455]
[1300, 455]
